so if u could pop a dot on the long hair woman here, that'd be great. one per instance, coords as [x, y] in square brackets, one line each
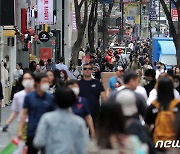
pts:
[161, 113]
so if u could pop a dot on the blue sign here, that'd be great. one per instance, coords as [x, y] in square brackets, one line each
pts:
[106, 1]
[130, 18]
[173, 6]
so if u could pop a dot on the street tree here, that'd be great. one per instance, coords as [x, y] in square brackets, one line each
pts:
[92, 23]
[174, 32]
[81, 22]
[106, 21]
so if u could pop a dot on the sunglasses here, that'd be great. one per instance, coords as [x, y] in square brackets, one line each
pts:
[87, 68]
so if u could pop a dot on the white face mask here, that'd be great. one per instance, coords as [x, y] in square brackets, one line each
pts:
[44, 87]
[76, 90]
[176, 84]
[28, 84]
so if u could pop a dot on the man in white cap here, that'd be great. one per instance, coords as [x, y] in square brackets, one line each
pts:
[131, 82]
[127, 99]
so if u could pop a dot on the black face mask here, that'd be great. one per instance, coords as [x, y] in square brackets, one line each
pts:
[158, 67]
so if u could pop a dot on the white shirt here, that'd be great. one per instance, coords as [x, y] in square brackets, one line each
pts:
[158, 73]
[153, 96]
[131, 46]
[18, 101]
[81, 55]
[139, 90]
[75, 73]
[17, 74]
[61, 66]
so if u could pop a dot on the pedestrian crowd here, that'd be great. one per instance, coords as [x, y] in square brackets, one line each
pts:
[64, 110]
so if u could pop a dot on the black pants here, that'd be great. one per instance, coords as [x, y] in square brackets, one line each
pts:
[31, 148]
[13, 91]
[79, 62]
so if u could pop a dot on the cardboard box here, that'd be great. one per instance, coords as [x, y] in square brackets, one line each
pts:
[105, 76]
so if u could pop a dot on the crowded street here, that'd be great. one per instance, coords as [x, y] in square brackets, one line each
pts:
[89, 77]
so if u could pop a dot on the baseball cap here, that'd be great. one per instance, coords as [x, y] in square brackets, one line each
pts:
[127, 99]
[119, 68]
[120, 50]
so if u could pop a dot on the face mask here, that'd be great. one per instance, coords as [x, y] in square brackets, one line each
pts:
[44, 87]
[76, 91]
[158, 67]
[62, 75]
[176, 84]
[28, 84]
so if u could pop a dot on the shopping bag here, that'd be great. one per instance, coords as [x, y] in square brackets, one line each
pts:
[21, 148]
[11, 147]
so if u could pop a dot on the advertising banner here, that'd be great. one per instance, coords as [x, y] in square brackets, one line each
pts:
[45, 54]
[45, 12]
[174, 12]
[73, 21]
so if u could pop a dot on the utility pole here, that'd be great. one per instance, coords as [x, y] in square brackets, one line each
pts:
[63, 25]
[170, 9]
[122, 21]
[104, 8]
[140, 12]
[159, 19]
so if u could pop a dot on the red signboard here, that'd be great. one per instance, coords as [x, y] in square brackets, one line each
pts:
[23, 20]
[174, 14]
[45, 54]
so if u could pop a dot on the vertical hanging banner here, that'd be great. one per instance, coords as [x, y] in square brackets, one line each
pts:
[174, 12]
[23, 20]
[73, 21]
[45, 12]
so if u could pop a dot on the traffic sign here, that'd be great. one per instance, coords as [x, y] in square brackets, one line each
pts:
[153, 16]
[130, 18]
[44, 36]
[106, 1]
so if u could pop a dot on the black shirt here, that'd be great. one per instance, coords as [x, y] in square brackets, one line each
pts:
[150, 86]
[91, 90]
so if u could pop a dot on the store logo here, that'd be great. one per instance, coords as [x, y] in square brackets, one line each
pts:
[168, 144]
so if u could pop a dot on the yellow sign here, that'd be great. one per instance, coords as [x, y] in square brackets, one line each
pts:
[137, 20]
[46, 27]
[8, 33]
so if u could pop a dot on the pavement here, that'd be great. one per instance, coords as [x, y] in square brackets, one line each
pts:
[6, 137]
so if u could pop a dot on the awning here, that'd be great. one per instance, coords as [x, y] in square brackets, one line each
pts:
[167, 47]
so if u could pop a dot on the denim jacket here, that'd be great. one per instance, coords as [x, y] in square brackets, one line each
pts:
[61, 132]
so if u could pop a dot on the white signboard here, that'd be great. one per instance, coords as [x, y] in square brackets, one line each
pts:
[73, 20]
[45, 12]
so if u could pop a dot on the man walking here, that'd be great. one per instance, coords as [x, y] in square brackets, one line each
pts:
[91, 89]
[35, 105]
